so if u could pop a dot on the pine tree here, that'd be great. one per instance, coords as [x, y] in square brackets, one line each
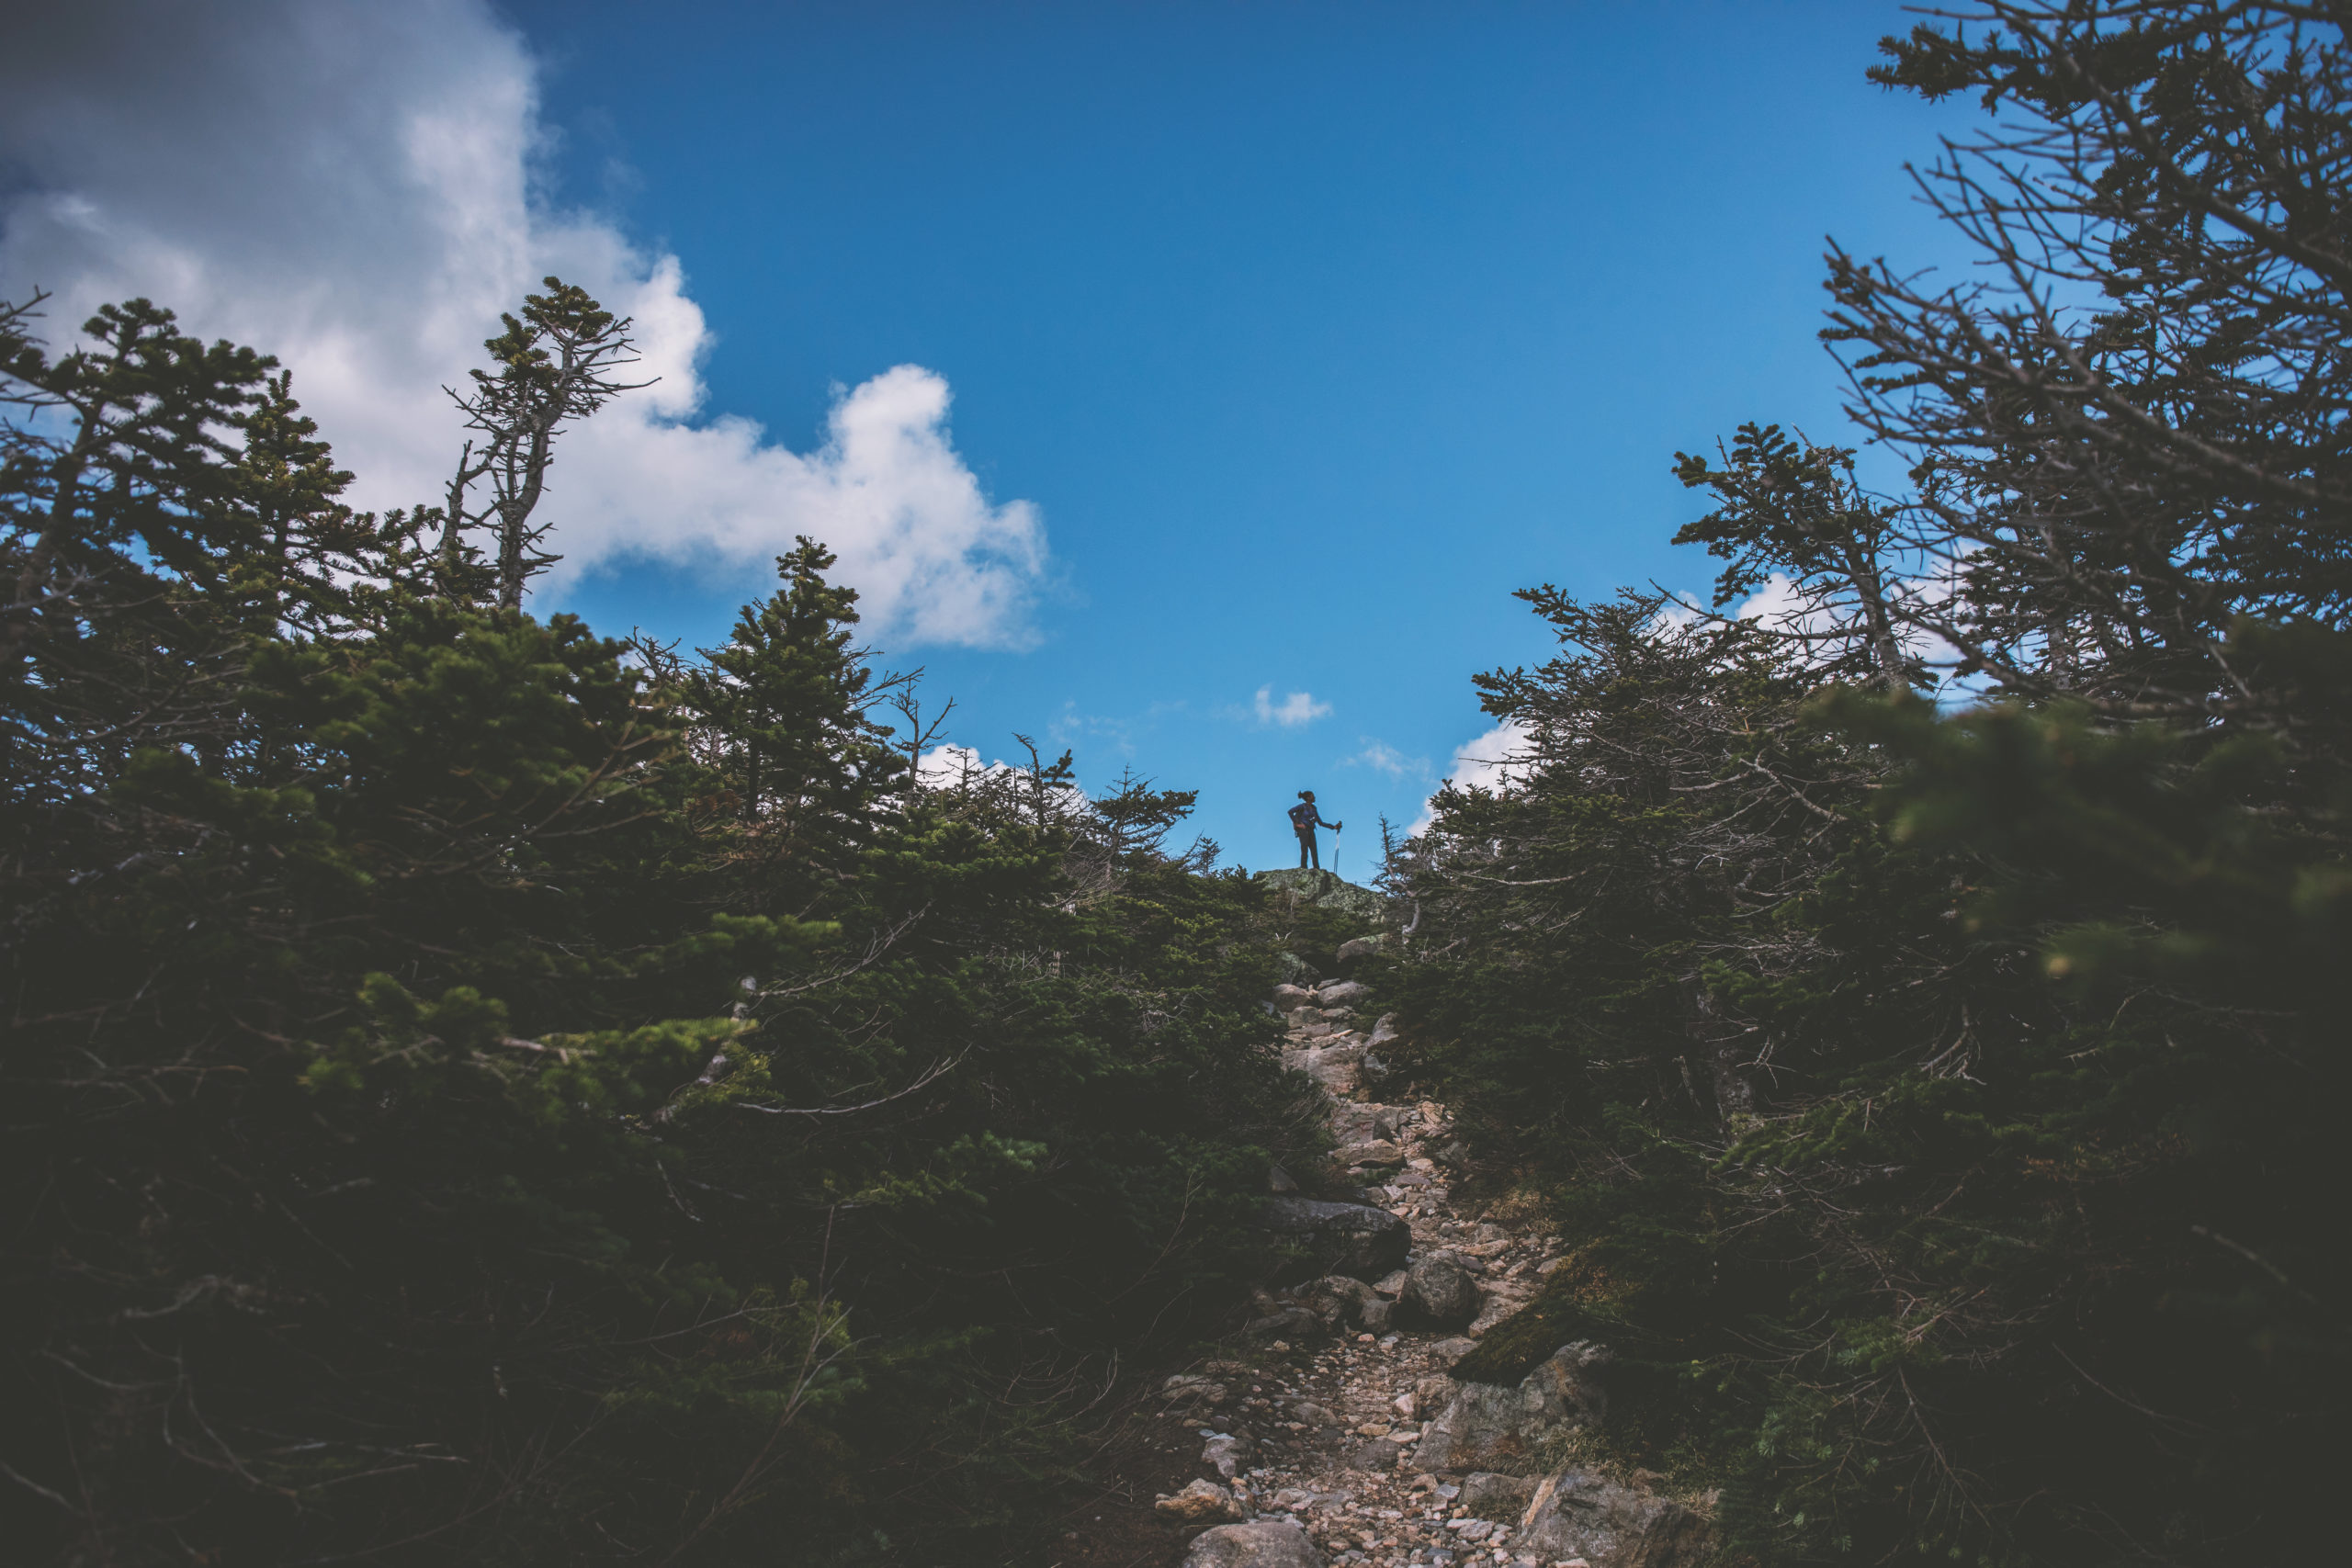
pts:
[785, 708]
[307, 543]
[554, 365]
[118, 533]
[436, 1134]
[1940, 1104]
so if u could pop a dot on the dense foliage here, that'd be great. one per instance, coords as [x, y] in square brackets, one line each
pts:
[1940, 1090]
[480, 1093]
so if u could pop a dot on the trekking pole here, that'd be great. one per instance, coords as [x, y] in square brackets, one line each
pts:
[1335, 852]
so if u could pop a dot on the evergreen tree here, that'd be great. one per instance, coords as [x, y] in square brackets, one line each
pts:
[308, 544]
[554, 365]
[785, 707]
[1791, 508]
[118, 479]
[476, 1100]
[1939, 1105]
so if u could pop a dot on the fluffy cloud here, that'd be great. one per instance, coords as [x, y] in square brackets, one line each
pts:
[349, 187]
[1293, 711]
[1486, 762]
[1381, 757]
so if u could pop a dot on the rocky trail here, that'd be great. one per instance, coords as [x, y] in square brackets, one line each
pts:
[1336, 1432]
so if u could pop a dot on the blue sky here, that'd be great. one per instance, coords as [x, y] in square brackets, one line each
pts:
[1313, 329]
[1306, 332]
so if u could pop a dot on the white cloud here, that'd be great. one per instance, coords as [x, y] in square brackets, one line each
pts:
[1381, 757]
[1293, 711]
[349, 187]
[1490, 761]
[1777, 607]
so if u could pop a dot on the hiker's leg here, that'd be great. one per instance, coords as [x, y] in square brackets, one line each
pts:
[1305, 851]
[1314, 861]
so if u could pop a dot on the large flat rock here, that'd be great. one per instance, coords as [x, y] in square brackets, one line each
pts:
[1581, 1513]
[1516, 1431]
[1261, 1543]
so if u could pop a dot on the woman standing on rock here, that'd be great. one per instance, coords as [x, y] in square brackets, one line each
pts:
[1304, 819]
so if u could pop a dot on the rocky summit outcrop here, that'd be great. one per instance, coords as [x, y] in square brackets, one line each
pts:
[1517, 1431]
[1324, 888]
[1354, 1239]
[1581, 1513]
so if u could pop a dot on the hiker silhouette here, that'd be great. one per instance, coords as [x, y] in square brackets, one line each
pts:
[1304, 819]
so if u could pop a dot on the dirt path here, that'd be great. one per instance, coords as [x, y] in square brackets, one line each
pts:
[1342, 1421]
[1322, 1426]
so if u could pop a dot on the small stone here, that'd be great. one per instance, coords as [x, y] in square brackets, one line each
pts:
[1227, 1453]
[1201, 1502]
[1191, 1388]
